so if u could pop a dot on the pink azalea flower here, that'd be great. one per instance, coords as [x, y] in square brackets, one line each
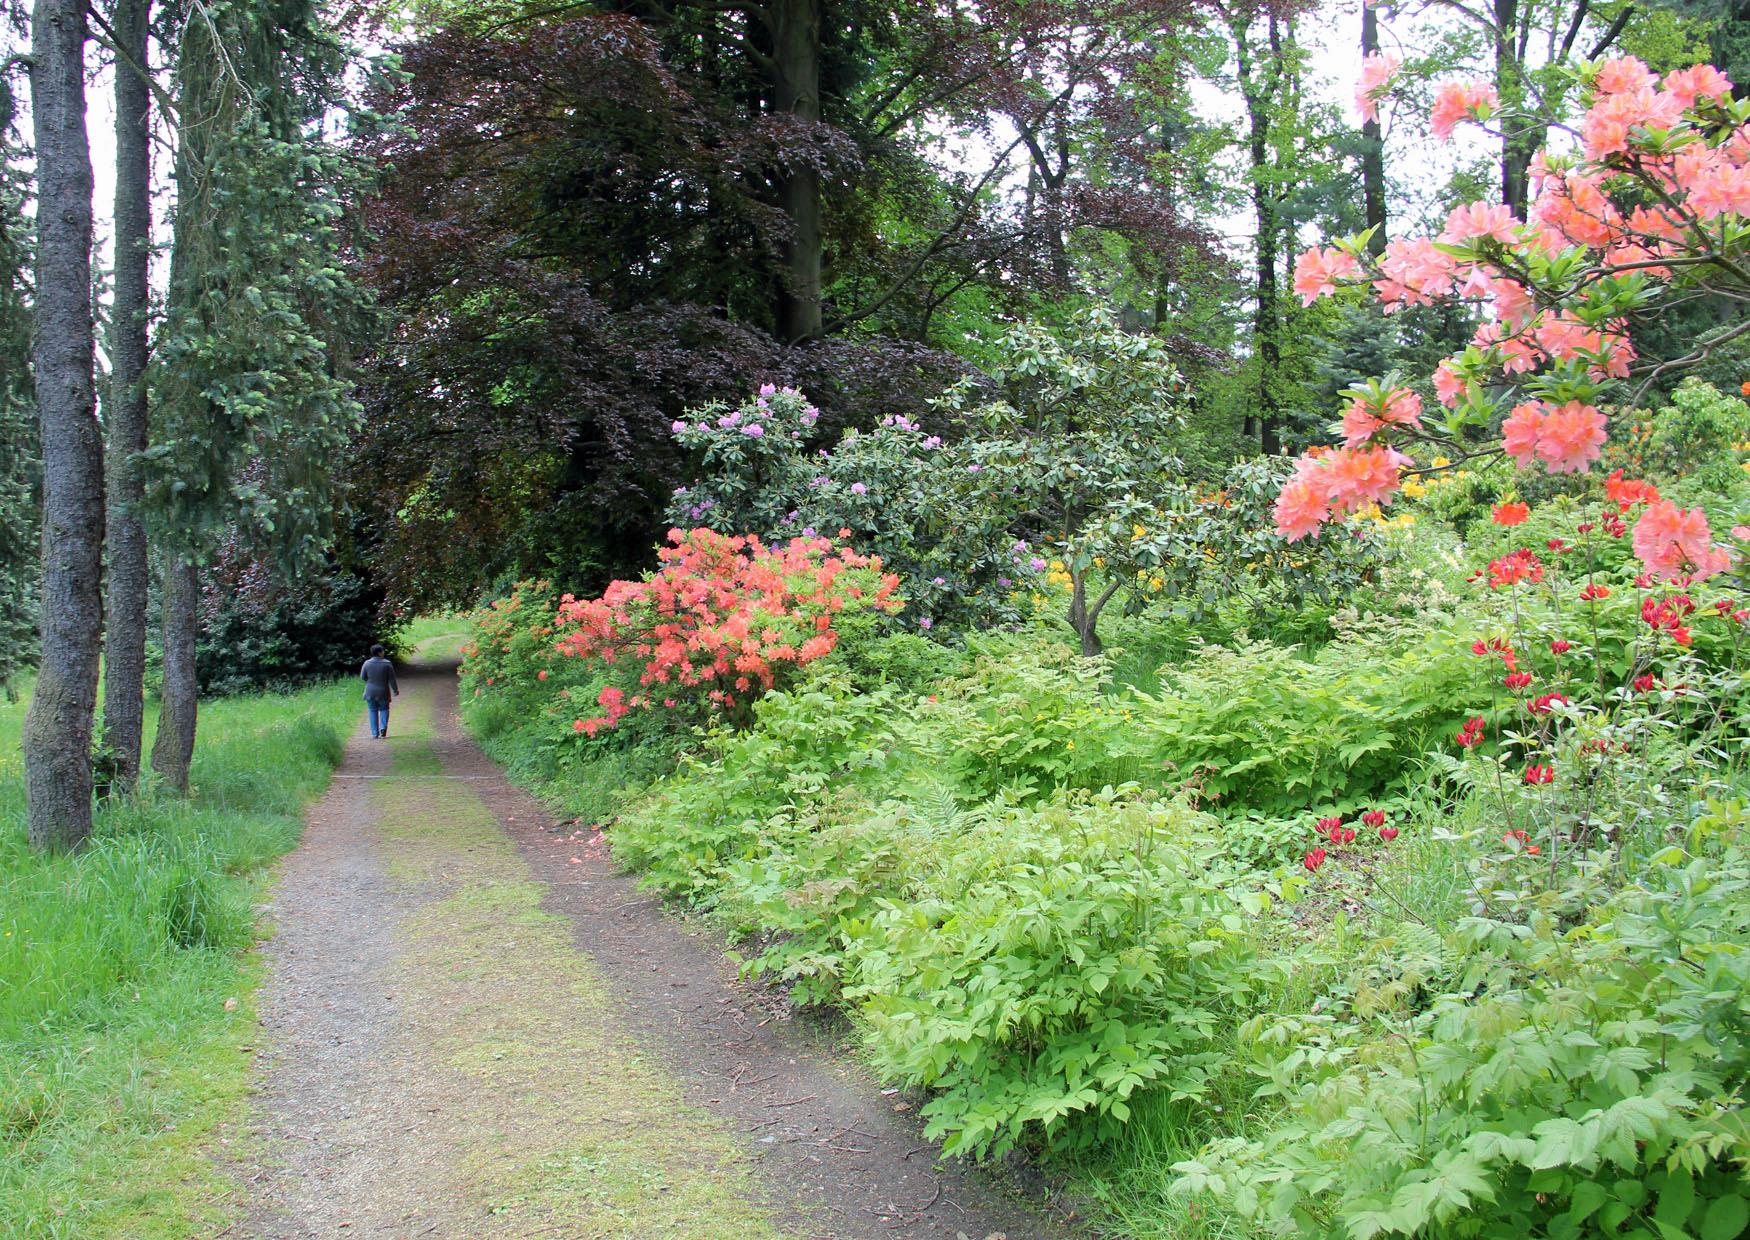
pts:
[1673, 543]
[1519, 433]
[1316, 273]
[1447, 384]
[1377, 71]
[1570, 438]
[1365, 418]
[1457, 101]
[1697, 82]
[1300, 510]
[1622, 75]
[1478, 220]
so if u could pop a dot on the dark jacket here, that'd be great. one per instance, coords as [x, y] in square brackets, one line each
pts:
[379, 677]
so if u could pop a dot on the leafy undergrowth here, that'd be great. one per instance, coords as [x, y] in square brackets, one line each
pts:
[1437, 929]
[125, 987]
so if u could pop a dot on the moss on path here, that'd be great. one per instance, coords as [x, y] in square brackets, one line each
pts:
[445, 1060]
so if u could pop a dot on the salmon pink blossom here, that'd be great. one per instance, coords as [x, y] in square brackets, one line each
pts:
[1623, 75]
[1520, 432]
[1570, 438]
[1457, 101]
[1674, 543]
[1377, 71]
[1316, 273]
[1476, 221]
[1367, 415]
[1697, 82]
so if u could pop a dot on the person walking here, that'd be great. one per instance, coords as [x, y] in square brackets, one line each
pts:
[379, 677]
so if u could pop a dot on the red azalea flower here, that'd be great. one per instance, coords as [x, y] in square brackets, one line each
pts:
[1539, 774]
[1388, 834]
[1594, 591]
[1543, 705]
[1557, 545]
[1644, 683]
[1471, 734]
[1314, 859]
[1514, 568]
[1560, 646]
[1329, 827]
[1510, 514]
[1373, 818]
[1517, 680]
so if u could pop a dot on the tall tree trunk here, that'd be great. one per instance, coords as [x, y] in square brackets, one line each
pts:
[173, 747]
[1518, 141]
[1266, 317]
[795, 30]
[125, 653]
[1372, 146]
[57, 728]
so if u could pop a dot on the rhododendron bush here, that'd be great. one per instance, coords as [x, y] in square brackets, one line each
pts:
[760, 469]
[721, 621]
[1653, 204]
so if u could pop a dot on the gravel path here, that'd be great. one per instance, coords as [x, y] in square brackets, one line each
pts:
[474, 1027]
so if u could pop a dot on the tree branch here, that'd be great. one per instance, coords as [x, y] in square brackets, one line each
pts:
[1610, 35]
[935, 247]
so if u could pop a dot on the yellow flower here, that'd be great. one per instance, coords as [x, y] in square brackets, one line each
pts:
[1137, 533]
[1069, 744]
[1415, 488]
[1440, 462]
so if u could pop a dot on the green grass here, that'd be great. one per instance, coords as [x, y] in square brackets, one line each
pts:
[126, 1011]
[433, 639]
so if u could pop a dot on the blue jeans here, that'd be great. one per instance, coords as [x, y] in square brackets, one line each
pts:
[379, 716]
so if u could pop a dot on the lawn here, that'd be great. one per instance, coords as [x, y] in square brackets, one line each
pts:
[126, 1012]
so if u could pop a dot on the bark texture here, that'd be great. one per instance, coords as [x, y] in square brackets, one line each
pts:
[57, 729]
[1520, 140]
[1373, 146]
[795, 30]
[125, 649]
[1258, 84]
[173, 747]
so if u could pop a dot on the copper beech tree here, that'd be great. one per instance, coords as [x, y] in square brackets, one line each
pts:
[605, 215]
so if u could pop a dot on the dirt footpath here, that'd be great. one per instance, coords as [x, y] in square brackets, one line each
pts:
[474, 1028]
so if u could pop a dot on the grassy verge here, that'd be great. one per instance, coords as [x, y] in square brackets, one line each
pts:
[125, 985]
[433, 639]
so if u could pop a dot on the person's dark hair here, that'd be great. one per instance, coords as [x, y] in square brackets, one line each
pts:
[376, 652]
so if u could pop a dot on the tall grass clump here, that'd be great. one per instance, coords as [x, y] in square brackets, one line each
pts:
[124, 979]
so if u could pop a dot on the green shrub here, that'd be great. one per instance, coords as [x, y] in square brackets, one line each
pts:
[1061, 959]
[1562, 1078]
